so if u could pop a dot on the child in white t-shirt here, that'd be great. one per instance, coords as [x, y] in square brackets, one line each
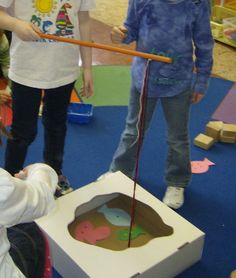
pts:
[40, 64]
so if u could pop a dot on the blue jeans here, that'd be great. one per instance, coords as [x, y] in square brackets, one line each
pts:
[25, 105]
[176, 112]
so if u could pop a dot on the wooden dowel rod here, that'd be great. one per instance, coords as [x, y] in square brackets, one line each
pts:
[108, 47]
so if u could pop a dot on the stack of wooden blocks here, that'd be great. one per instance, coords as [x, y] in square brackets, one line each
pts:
[216, 131]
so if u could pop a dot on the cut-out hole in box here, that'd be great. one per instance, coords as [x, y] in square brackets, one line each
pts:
[108, 225]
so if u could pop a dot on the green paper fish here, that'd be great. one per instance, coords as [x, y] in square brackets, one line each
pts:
[136, 232]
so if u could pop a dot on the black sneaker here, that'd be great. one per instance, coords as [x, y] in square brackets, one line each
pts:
[63, 186]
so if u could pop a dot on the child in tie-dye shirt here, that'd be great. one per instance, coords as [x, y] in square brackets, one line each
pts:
[178, 29]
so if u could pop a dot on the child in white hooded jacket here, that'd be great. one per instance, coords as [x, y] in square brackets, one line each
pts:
[23, 198]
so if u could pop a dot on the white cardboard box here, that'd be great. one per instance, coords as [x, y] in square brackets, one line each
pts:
[161, 257]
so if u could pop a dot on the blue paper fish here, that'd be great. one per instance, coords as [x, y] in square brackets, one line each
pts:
[115, 216]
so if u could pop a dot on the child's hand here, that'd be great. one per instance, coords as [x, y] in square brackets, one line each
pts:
[118, 33]
[21, 175]
[26, 31]
[87, 89]
[5, 95]
[196, 97]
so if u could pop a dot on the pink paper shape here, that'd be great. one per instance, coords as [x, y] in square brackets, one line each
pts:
[86, 232]
[199, 167]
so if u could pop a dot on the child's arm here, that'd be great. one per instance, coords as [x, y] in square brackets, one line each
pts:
[26, 31]
[28, 197]
[130, 31]
[132, 20]
[203, 42]
[86, 53]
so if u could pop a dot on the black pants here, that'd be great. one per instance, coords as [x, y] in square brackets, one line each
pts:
[27, 249]
[25, 105]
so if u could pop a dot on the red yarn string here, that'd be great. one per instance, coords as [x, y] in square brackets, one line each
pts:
[140, 127]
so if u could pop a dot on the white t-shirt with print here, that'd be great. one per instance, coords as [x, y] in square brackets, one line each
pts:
[46, 64]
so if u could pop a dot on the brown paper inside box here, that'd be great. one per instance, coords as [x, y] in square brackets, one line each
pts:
[113, 217]
[88, 233]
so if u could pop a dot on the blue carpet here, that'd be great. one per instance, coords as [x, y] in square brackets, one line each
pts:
[210, 199]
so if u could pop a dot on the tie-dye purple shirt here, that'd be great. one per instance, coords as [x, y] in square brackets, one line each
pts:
[179, 29]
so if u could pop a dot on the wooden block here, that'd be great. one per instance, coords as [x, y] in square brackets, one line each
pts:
[204, 141]
[226, 139]
[233, 274]
[229, 130]
[213, 129]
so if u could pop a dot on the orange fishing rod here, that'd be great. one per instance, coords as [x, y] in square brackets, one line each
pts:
[108, 47]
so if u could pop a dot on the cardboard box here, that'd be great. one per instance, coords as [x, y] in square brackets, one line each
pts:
[174, 244]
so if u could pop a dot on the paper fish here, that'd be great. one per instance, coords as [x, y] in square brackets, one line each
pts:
[115, 216]
[136, 232]
[86, 232]
[199, 167]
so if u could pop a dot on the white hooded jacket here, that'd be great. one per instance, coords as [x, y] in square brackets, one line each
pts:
[23, 201]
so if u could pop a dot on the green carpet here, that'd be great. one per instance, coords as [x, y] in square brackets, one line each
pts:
[111, 85]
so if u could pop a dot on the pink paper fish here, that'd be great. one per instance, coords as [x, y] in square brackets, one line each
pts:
[199, 167]
[86, 232]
